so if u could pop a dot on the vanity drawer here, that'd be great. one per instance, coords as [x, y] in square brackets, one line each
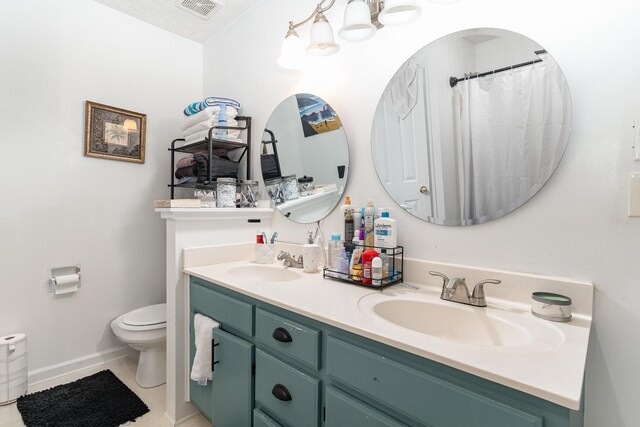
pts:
[260, 419]
[285, 391]
[420, 396]
[223, 309]
[288, 337]
[344, 410]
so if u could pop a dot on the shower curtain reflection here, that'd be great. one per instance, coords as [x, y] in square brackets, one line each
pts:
[506, 127]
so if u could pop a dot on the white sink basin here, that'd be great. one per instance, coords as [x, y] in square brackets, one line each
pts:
[264, 273]
[427, 314]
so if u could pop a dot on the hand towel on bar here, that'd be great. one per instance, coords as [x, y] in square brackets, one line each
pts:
[232, 135]
[205, 125]
[210, 101]
[207, 114]
[201, 369]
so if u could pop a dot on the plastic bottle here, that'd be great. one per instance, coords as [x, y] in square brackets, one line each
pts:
[386, 232]
[367, 258]
[376, 272]
[343, 264]
[334, 251]
[347, 214]
[354, 265]
[222, 121]
[369, 217]
[384, 258]
[357, 222]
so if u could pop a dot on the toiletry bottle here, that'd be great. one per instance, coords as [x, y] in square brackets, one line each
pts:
[343, 264]
[347, 214]
[376, 272]
[384, 258]
[222, 121]
[369, 217]
[367, 257]
[334, 251]
[357, 222]
[386, 235]
[354, 265]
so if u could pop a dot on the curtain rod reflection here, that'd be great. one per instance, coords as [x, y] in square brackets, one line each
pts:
[454, 80]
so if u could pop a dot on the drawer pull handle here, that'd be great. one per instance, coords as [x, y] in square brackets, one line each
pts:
[214, 362]
[282, 335]
[280, 392]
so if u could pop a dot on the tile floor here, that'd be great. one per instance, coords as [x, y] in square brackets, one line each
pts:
[125, 369]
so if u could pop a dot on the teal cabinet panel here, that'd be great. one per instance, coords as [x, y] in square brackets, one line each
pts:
[232, 393]
[223, 309]
[345, 411]
[286, 392]
[288, 337]
[200, 394]
[260, 419]
[425, 398]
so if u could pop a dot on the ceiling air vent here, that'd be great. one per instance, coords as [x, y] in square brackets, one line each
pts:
[204, 9]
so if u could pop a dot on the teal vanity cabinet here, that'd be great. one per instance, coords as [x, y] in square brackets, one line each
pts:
[310, 374]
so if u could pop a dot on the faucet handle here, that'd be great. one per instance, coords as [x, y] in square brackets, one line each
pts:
[445, 279]
[478, 290]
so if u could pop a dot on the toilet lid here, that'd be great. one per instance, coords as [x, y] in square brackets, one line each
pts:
[146, 316]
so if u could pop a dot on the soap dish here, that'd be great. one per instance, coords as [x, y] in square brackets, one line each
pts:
[550, 306]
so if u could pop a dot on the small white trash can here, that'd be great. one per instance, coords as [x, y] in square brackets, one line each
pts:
[13, 367]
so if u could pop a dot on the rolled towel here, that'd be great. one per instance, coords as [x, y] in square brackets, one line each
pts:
[201, 369]
[210, 101]
[186, 162]
[205, 125]
[232, 135]
[207, 114]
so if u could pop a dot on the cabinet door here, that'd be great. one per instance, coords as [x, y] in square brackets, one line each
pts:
[344, 410]
[232, 394]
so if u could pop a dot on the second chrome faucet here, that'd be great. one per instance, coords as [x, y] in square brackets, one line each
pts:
[455, 290]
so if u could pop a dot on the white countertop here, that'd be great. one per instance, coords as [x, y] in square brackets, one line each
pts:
[554, 372]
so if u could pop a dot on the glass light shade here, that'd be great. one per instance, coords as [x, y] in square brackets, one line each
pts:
[397, 12]
[292, 52]
[357, 22]
[444, 1]
[130, 124]
[322, 42]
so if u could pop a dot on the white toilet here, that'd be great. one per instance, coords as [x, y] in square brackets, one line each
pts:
[145, 329]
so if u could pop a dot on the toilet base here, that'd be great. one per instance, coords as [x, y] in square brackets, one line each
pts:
[152, 367]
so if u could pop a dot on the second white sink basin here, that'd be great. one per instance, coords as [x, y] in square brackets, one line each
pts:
[264, 273]
[488, 327]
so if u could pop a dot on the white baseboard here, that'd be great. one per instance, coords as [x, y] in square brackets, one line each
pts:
[50, 372]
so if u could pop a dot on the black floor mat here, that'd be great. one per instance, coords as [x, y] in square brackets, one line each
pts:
[99, 400]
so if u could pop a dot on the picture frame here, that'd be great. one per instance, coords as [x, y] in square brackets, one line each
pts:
[316, 115]
[114, 133]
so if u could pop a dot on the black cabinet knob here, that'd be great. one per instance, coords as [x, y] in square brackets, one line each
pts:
[280, 392]
[282, 335]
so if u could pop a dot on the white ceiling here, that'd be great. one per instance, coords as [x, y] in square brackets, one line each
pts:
[164, 14]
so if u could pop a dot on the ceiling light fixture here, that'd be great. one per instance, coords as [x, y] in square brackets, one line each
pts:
[361, 20]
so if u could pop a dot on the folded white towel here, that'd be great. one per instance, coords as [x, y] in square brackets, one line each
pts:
[206, 114]
[201, 369]
[205, 125]
[232, 135]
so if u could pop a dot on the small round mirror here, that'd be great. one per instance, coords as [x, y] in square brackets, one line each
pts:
[471, 127]
[304, 158]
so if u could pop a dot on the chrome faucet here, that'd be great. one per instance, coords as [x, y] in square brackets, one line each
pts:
[455, 290]
[290, 261]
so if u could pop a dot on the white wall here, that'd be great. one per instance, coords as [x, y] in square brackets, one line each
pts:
[57, 206]
[575, 227]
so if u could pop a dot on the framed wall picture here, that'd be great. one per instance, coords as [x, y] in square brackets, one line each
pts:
[114, 133]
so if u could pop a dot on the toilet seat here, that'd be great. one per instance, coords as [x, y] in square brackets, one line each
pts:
[145, 318]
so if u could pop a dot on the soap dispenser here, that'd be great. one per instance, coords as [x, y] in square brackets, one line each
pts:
[311, 255]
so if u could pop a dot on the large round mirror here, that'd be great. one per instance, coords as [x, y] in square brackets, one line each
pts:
[471, 127]
[304, 158]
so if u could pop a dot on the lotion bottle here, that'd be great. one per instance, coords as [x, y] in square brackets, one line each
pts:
[347, 215]
[386, 232]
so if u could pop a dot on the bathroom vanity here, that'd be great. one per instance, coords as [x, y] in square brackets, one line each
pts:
[299, 350]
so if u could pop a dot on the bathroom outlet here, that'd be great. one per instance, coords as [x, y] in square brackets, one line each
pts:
[634, 194]
[636, 141]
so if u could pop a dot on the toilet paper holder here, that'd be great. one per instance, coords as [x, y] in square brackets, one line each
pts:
[64, 279]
